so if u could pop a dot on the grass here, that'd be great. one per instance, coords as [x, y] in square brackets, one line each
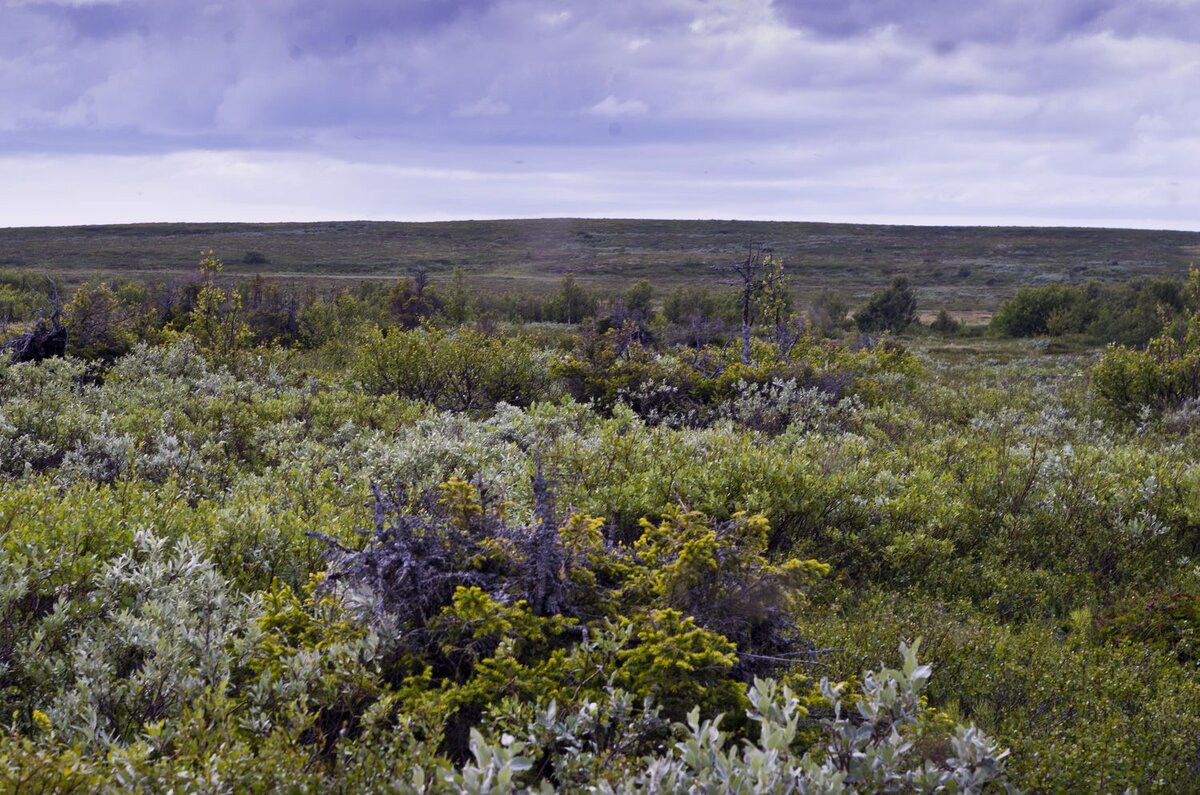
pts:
[965, 269]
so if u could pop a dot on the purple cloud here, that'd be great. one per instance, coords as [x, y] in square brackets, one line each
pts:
[947, 24]
[948, 107]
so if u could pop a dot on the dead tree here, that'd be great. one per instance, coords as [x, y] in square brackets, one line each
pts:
[746, 276]
[46, 339]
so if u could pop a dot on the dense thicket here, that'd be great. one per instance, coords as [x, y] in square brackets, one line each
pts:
[403, 553]
[1160, 380]
[1129, 313]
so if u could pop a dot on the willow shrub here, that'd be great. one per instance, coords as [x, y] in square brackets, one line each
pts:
[461, 370]
[1139, 384]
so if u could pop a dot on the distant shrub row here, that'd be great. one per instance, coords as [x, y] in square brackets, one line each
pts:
[104, 319]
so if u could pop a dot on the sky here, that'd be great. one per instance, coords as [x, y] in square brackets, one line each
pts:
[993, 112]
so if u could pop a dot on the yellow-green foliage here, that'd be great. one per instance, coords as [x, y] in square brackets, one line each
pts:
[680, 665]
[100, 325]
[216, 321]
[461, 370]
[689, 563]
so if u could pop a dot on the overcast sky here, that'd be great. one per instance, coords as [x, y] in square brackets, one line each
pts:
[1038, 112]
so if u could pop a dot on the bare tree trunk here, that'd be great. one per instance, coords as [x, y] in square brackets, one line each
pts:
[747, 274]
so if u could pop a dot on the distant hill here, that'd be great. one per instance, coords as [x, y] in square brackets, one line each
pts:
[958, 267]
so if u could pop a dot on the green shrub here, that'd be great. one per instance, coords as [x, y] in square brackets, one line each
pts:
[1077, 717]
[1130, 313]
[1031, 311]
[101, 325]
[464, 370]
[1160, 378]
[893, 309]
[945, 324]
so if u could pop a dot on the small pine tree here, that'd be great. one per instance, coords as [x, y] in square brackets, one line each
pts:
[893, 309]
[944, 324]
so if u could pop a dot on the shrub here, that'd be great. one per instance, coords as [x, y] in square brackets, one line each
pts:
[100, 325]
[828, 311]
[571, 304]
[893, 309]
[878, 745]
[464, 370]
[945, 324]
[1158, 379]
[1029, 313]
[24, 295]
[216, 320]
[1130, 313]
[688, 302]
[410, 303]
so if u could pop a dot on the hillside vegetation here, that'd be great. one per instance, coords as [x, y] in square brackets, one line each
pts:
[962, 268]
[381, 540]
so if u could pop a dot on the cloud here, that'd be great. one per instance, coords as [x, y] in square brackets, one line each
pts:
[484, 106]
[611, 106]
[950, 23]
[69, 3]
[434, 184]
[999, 104]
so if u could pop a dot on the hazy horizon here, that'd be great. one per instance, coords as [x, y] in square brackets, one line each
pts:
[1074, 113]
[311, 221]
